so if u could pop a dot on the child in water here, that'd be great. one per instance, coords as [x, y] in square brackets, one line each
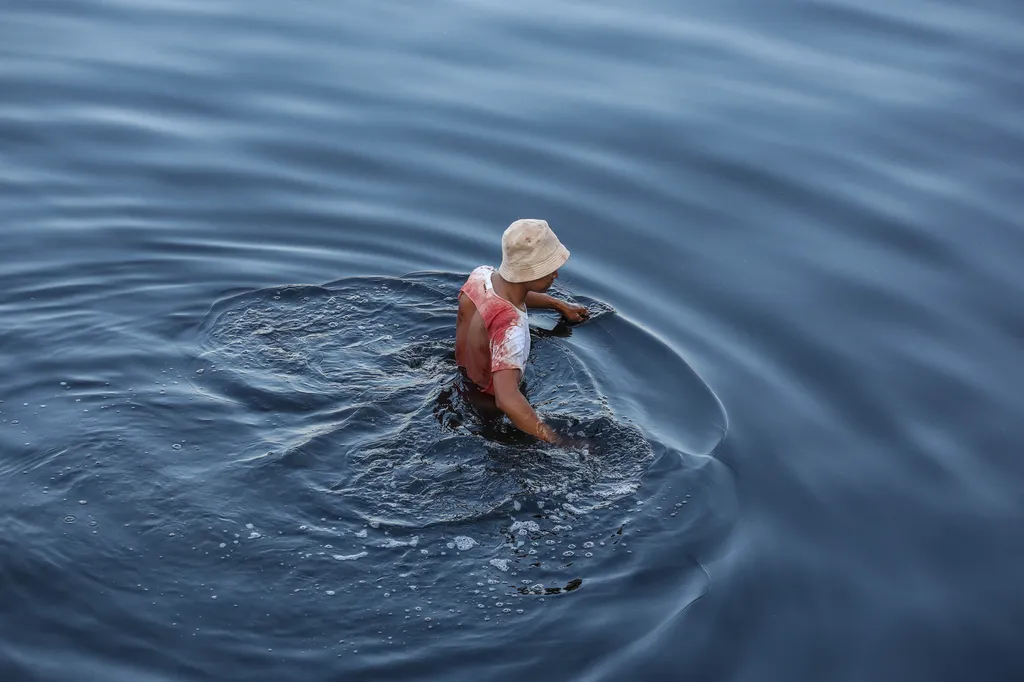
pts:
[492, 338]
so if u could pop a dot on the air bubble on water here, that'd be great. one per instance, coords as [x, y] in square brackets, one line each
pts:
[83, 502]
[524, 527]
[69, 519]
[569, 553]
[223, 545]
[330, 593]
[249, 526]
[200, 370]
[589, 554]
[375, 524]
[516, 505]
[588, 544]
[349, 557]
[253, 535]
[464, 543]
[176, 446]
[392, 543]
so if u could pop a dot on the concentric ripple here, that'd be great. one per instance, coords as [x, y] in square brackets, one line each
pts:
[358, 406]
[366, 400]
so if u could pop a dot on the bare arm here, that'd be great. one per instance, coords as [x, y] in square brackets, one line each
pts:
[538, 300]
[573, 313]
[511, 401]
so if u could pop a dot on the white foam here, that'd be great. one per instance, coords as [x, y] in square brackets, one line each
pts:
[464, 542]
[391, 543]
[500, 564]
[524, 527]
[349, 557]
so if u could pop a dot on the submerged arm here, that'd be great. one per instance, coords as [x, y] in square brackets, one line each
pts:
[511, 401]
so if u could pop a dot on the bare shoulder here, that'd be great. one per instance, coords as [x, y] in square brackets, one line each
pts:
[466, 305]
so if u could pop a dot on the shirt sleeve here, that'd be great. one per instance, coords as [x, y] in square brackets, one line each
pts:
[509, 349]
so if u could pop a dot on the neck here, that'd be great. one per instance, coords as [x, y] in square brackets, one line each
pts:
[513, 292]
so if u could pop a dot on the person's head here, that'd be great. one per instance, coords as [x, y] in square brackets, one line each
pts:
[531, 254]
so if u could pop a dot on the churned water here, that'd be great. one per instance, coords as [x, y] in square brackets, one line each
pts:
[233, 440]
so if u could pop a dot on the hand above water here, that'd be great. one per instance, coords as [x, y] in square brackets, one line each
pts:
[574, 313]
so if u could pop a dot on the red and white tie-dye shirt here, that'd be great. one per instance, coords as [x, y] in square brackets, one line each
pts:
[508, 331]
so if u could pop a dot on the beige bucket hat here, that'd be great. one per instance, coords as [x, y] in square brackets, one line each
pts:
[530, 250]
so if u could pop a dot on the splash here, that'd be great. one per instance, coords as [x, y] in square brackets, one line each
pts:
[361, 380]
[358, 430]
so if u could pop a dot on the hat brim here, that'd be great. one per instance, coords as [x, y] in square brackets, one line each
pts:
[543, 268]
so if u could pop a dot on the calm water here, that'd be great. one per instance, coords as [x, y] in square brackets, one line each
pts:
[232, 445]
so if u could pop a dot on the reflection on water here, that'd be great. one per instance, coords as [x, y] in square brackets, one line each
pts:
[209, 471]
[363, 397]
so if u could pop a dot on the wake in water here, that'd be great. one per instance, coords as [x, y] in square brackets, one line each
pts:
[367, 448]
[361, 380]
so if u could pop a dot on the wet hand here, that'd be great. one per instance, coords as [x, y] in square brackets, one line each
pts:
[548, 435]
[575, 313]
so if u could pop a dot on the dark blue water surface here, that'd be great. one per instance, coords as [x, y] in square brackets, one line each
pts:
[233, 441]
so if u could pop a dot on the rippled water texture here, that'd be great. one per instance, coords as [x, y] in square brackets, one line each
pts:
[233, 441]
